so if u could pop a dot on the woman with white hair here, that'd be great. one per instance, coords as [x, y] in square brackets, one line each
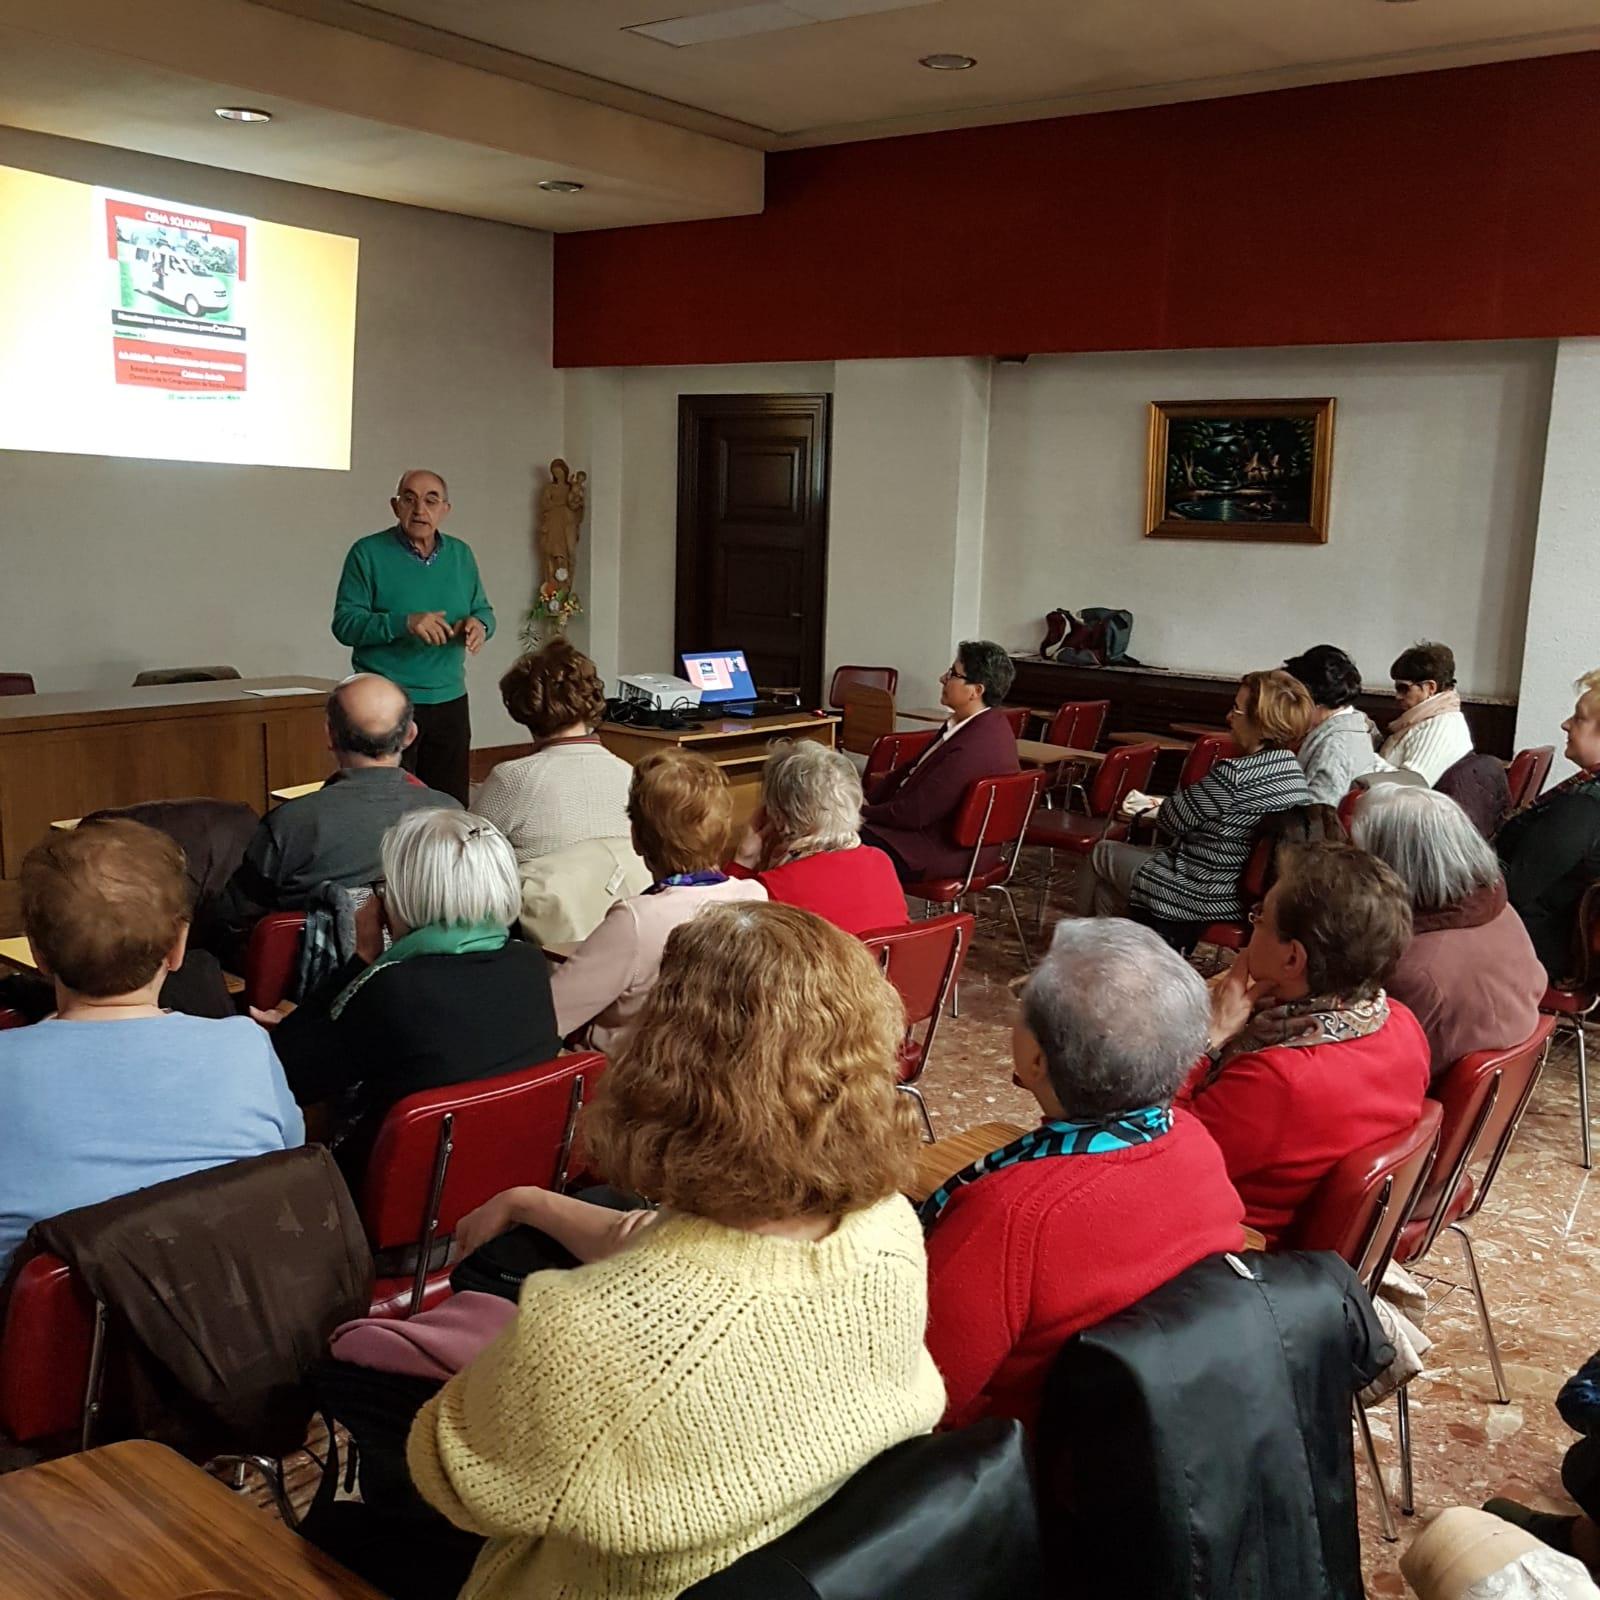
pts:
[804, 844]
[451, 999]
[1112, 1195]
[1470, 973]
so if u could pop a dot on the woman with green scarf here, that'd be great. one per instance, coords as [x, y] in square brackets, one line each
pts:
[451, 999]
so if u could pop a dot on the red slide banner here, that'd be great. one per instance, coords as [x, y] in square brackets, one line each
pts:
[179, 368]
[180, 221]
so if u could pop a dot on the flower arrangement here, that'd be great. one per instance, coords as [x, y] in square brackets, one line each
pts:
[555, 605]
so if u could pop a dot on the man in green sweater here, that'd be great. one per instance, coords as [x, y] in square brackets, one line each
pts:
[412, 608]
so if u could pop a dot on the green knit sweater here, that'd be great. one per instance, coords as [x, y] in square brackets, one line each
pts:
[383, 583]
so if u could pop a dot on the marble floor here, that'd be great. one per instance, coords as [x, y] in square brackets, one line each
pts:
[1537, 1239]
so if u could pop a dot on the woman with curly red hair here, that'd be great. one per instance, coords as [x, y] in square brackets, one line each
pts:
[720, 1365]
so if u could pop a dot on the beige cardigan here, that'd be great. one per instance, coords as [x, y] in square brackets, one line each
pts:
[609, 975]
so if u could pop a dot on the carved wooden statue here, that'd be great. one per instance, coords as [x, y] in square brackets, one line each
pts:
[561, 505]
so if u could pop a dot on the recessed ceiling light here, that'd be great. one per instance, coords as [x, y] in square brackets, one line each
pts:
[948, 63]
[560, 186]
[243, 114]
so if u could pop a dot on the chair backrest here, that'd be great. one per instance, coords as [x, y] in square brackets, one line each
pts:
[895, 750]
[16, 683]
[44, 1351]
[923, 961]
[1078, 724]
[1348, 805]
[1019, 717]
[1359, 1208]
[1483, 1097]
[868, 716]
[995, 811]
[445, 1151]
[1204, 754]
[1527, 773]
[272, 957]
[885, 678]
[1128, 766]
[945, 1514]
[163, 675]
[1478, 784]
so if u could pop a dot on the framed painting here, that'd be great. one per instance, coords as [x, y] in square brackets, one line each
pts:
[1252, 470]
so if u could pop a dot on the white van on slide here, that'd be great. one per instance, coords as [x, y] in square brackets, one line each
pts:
[165, 275]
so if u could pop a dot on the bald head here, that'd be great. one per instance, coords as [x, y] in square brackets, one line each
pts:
[369, 721]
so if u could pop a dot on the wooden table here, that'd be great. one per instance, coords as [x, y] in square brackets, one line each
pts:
[739, 745]
[65, 755]
[1036, 753]
[18, 953]
[135, 1521]
[1161, 741]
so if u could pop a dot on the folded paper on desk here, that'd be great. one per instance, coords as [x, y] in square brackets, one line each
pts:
[272, 694]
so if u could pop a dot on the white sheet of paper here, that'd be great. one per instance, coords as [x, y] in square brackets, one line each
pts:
[272, 694]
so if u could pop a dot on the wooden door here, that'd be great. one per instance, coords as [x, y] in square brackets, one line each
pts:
[753, 532]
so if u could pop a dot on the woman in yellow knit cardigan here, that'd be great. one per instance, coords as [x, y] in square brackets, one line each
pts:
[720, 1365]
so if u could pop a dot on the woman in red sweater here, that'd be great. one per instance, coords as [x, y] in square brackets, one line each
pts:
[1111, 1196]
[1310, 1060]
[803, 844]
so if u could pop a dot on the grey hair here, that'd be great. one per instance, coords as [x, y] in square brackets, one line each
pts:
[411, 472]
[812, 796]
[1428, 841]
[1121, 1017]
[450, 867]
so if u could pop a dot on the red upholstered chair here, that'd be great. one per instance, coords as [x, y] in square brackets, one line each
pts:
[442, 1153]
[1204, 754]
[271, 957]
[1078, 723]
[993, 815]
[1573, 1004]
[16, 683]
[1358, 1212]
[923, 960]
[1126, 767]
[48, 1354]
[1252, 891]
[892, 752]
[1353, 797]
[1483, 1097]
[1526, 773]
[1019, 717]
[885, 678]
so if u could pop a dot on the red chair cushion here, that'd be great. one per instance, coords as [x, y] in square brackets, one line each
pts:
[1066, 830]
[943, 890]
[1566, 1002]
[391, 1297]
[1412, 1235]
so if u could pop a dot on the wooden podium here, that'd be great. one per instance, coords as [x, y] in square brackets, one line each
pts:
[738, 745]
[65, 755]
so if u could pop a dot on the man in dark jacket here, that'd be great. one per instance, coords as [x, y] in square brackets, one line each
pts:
[334, 835]
[1551, 851]
[911, 817]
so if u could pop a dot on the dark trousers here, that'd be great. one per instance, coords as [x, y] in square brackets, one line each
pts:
[441, 753]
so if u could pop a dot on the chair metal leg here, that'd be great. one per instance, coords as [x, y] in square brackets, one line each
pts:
[1403, 1429]
[922, 1106]
[1044, 887]
[1384, 1512]
[1583, 1095]
[269, 1469]
[1016, 922]
[1483, 1312]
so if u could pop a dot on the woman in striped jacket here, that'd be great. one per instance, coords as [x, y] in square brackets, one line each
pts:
[1212, 823]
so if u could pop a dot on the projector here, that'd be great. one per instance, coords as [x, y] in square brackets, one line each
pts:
[660, 691]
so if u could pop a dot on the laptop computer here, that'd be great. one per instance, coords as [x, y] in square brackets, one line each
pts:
[725, 685]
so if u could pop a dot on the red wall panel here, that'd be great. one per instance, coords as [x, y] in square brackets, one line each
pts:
[1448, 205]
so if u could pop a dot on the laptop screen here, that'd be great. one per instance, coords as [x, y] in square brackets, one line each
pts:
[719, 675]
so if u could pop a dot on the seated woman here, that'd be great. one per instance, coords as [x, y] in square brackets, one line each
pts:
[910, 818]
[681, 815]
[114, 1094]
[1469, 975]
[720, 1366]
[1310, 1059]
[1341, 743]
[1195, 879]
[453, 998]
[1112, 1195]
[803, 846]
[1430, 735]
[1551, 850]
[571, 788]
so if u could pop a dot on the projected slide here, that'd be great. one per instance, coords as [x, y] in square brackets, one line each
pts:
[136, 325]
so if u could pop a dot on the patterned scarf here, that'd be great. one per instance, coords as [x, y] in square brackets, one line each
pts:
[1295, 1024]
[1436, 705]
[1055, 1138]
[682, 880]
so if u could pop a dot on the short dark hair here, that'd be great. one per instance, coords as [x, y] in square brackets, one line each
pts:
[1426, 661]
[1330, 676]
[553, 687]
[988, 665]
[1349, 910]
[354, 741]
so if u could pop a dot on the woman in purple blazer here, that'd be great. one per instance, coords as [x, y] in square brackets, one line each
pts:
[911, 817]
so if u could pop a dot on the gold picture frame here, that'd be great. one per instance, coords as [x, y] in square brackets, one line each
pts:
[1256, 471]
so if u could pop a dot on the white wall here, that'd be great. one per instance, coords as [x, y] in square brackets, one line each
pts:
[1436, 468]
[115, 565]
[1564, 640]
